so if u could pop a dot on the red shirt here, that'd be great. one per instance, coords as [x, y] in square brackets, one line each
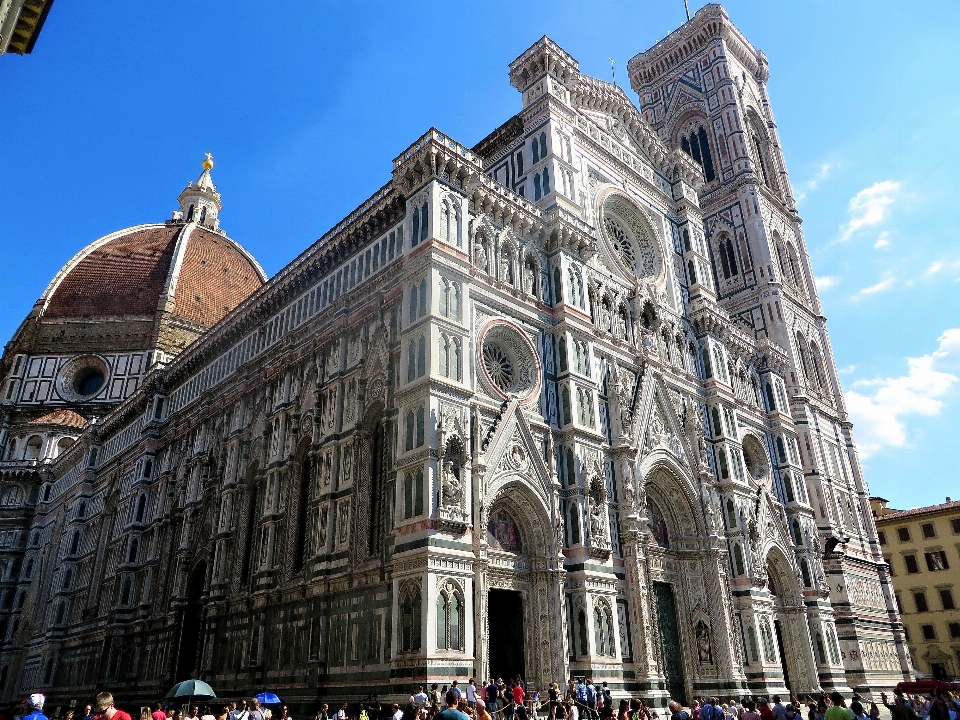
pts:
[766, 713]
[120, 715]
[518, 694]
[159, 715]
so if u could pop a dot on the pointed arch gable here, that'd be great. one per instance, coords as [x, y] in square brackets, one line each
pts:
[501, 461]
[654, 398]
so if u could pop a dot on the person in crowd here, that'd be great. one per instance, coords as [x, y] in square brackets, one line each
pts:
[105, 708]
[573, 710]
[623, 713]
[749, 711]
[790, 712]
[158, 712]
[419, 698]
[35, 706]
[342, 712]
[395, 712]
[451, 712]
[481, 708]
[88, 712]
[238, 711]
[284, 713]
[224, 713]
[254, 712]
[591, 693]
[874, 711]
[519, 696]
[859, 712]
[763, 707]
[207, 713]
[323, 713]
[434, 694]
[778, 709]
[194, 713]
[711, 710]
[733, 710]
[838, 710]
[677, 712]
[144, 713]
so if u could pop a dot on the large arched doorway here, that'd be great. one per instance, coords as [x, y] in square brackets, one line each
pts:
[789, 633]
[665, 606]
[191, 627]
[505, 605]
[372, 491]
[521, 588]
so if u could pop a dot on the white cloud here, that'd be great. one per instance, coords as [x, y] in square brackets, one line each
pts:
[827, 281]
[888, 282]
[812, 184]
[935, 267]
[878, 407]
[883, 240]
[869, 207]
[847, 370]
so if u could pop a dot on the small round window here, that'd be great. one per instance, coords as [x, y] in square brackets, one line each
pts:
[509, 361]
[82, 378]
[88, 381]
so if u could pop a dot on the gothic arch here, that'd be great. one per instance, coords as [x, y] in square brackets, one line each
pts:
[668, 484]
[532, 516]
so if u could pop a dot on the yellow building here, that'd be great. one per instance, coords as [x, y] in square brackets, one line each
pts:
[922, 547]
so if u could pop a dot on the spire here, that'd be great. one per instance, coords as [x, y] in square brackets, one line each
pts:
[200, 201]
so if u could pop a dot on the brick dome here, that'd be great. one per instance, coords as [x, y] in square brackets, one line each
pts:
[194, 273]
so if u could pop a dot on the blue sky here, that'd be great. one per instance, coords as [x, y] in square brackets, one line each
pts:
[304, 106]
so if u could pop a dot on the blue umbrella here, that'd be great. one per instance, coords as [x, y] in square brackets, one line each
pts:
[267, 698]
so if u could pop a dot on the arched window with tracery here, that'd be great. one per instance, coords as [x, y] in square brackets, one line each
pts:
[141, 508]
[728, 258]
[603, 628]
[797, 533]
[450, 613]
[763, 157]
[738, 566]
[696, 145]
[410, 617]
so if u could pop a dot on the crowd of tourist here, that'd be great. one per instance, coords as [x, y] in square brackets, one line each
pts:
[495, 699]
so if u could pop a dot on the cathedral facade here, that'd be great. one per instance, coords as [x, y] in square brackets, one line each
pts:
[562, 404]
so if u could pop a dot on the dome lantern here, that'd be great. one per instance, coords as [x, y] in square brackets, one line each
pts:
[200, 201]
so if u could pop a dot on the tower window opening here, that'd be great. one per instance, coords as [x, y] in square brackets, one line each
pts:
[697, 146]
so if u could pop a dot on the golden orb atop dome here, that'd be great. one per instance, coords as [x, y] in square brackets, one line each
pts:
[208, 163]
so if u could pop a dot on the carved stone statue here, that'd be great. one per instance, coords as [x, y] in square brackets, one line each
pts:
[480, 254]
[322, 528]
[451, 491]
[597, 529]
[704, 651]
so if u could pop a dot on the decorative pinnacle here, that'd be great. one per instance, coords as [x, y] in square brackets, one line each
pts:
[208, 163]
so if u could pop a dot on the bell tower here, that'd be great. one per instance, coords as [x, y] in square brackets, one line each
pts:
[703, 90]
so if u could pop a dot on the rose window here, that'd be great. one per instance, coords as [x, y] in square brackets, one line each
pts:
[498, 366]
[621, 241]
[630, 238]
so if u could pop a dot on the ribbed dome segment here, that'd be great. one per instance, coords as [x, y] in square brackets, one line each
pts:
[215, 277]
[123, 276]
[194, 273]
